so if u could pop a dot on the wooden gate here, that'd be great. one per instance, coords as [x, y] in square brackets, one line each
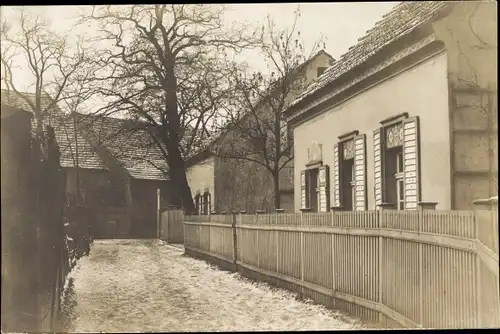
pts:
[111, 223]
[172, 226]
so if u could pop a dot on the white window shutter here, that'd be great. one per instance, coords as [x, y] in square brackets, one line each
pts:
[303, 190]
[324, 188]
[411, 164]
[209, 197]
[201, 206]
[377, 166]
[336, 175]
[360, 173]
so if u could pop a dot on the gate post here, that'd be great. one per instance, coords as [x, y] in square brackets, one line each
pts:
[486, 220]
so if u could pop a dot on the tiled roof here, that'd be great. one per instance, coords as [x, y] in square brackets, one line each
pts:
[13, 99]
[63, 129]
[132, 147]
[401, 20]
[130, 143]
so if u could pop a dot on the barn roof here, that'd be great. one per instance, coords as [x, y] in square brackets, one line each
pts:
[68, 138]
[404, 18]
[130, 143]
[64, 130]
[13, 99]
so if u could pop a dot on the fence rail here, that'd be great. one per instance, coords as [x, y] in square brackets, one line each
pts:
[431, 269]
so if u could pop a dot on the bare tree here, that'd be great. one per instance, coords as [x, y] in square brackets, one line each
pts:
[163, 69]
[51, 61]
[256, 130]
[73, 99]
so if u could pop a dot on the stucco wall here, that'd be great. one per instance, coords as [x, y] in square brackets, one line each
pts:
[420, 91]
[201, 177]
[470, 37]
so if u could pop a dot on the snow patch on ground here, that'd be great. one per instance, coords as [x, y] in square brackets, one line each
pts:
[146, 285]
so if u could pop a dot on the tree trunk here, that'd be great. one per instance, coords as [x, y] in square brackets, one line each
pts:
[177, 171]
[172, 142]
[277, 194]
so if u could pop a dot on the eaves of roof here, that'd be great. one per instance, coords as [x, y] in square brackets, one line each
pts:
[403, 20]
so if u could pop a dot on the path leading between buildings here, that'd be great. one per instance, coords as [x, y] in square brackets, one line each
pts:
[145, 285]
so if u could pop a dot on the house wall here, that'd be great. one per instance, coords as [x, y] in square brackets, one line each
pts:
[248, 186]
[470, 37]
[106, 200]
[420, 91]
[95, 187]
[242, 186]
[104, 197]
[201, 177]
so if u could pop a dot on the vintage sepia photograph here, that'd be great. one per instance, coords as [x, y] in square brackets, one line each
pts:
[249, 167]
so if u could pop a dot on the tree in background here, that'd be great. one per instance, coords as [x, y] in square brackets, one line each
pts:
[51, 62]
[164, 67]
[256, 129]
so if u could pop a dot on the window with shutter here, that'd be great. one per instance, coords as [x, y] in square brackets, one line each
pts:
[324, 188]
[411, 163]
[209, 204]
[336, 175]
[305, 194]
[200, 207]
[378, 152]
[304, 198]
[347, 154]
[359, 200]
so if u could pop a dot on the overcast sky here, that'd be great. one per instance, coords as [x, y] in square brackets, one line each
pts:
[341, 23]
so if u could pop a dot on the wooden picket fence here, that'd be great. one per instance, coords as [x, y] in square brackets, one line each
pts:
[171, 225]
[431, 269]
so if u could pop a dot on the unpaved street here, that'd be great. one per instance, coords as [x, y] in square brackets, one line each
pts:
[145, 285]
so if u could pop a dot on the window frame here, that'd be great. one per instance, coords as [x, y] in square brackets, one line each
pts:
[343, 138]
[384, 125]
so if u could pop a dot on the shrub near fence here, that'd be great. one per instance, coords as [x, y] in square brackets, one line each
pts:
[432, 269]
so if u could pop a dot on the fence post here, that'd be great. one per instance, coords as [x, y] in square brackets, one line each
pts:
[421, 208]
[258, 249]
[486, 212]
[302, 256]
[380, 262]
[235, 243]
[278, 211]
[332, 223]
